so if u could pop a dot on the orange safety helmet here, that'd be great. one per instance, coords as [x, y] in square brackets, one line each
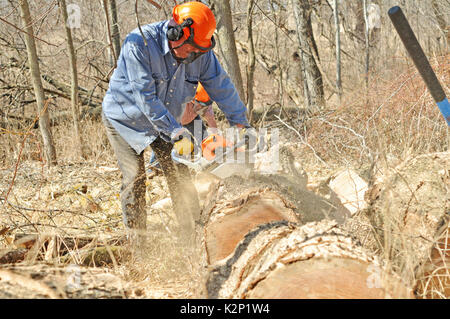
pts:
[201, 96]
[204, 22]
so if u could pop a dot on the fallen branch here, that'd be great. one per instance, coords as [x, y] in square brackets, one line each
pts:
[16, 279]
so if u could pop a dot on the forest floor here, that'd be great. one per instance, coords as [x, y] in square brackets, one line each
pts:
[81, 200]
[63, 227]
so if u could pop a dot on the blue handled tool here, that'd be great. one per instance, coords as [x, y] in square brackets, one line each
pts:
[420, 60]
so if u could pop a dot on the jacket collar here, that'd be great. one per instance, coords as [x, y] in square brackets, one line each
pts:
[164, 40]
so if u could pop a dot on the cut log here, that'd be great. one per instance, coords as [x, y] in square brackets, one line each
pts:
[228, 225]
[269, 243]
[316, 260]
[292, 189]
[43, 281]
[228, 214]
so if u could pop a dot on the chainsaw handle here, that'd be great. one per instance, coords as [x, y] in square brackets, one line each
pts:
[183, 160]
[420, 60]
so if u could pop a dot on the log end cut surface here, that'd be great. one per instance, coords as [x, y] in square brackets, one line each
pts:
[223, 235]
[336, 278]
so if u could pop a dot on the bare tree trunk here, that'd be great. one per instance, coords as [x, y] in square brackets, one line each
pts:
[314, 93]
[115, 33]
[111, 49]
[74, 88]
[227, 44]
[251, 58]
[279, 60]
[359, 13]
[44, 121]
[366, 37]
[338, 50]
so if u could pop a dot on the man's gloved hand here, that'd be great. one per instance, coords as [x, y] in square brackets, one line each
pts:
[252, 139]
[184, 146]
[249, 132]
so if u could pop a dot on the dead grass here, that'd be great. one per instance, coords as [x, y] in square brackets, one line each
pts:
[434, 274]
[396, 117]
[372, 133]
[80, 200]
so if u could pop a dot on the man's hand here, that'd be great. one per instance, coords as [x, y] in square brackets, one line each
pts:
[184, 146]
[248, 133]
[251, 136]
[182, 141]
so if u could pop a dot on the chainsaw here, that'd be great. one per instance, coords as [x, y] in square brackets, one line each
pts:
[221, 157]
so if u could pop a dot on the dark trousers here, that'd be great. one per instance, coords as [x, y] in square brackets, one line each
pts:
[132, 194]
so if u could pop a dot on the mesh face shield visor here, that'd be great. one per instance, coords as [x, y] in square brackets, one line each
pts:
[193, 55]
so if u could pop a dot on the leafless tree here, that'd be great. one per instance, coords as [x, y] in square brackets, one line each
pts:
[227, 43]
[367, 47]
[115, 33]
[251, 57]
[44, 122]
[112, 50]
[338, 48]
[313, 83]
[74, 76]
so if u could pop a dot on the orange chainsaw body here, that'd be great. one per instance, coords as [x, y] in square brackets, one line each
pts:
[212, 142]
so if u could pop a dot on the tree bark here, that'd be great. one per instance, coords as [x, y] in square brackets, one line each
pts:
[263, 244]
[367, 47]
[313, 82]
[115, 33]
[74, 88]
[112, 51]
[227, 44]
[44, 122]
[280, 240]
[77, 282]
[281, 83]
[338, 50]
[358, 11]
[251, 58]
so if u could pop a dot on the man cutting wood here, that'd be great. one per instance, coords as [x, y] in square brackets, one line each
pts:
[158, 71]
[200, 108]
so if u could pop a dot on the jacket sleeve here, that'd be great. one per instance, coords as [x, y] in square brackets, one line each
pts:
[221, 90]
[139, 73]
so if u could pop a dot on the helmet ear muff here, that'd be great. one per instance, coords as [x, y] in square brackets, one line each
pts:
[175, 33]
